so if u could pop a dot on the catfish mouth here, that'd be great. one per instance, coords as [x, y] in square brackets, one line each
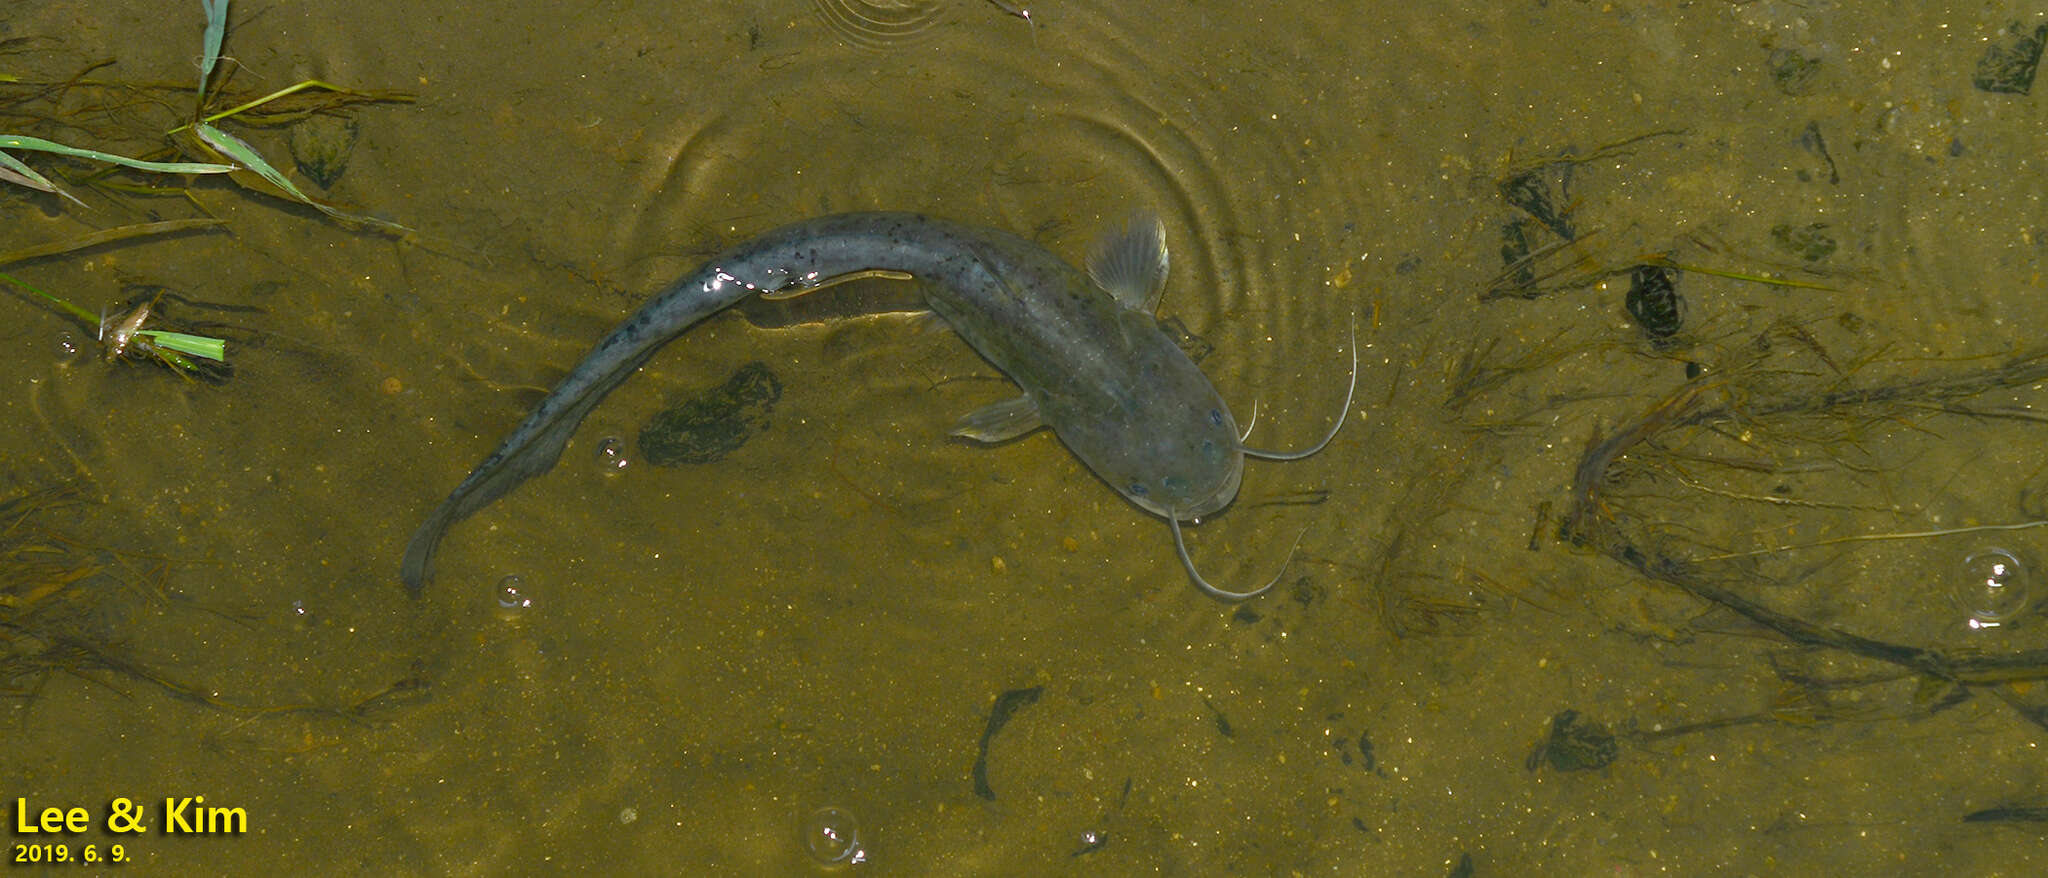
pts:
[1216, 500]
[1202, 507]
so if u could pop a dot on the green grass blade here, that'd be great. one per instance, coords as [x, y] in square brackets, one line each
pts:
[215, 349]
[75, 311]
[13, 171]
[239, 150]
[17, 141]
[35, 180]
[216, 30]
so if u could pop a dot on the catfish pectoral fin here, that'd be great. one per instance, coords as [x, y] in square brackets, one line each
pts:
[999, 422]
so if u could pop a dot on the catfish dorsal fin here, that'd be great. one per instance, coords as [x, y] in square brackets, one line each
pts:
[1129, 261]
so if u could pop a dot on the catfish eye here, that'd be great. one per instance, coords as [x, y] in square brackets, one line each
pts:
[1215, 418]
[1138, 488]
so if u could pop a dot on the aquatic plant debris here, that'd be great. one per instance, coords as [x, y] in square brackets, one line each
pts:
[214, 349]
[1006, 706]
[707, 427]
[98, 237]
[165, 346]
[2008, 65]
[37, 181]
[1607, 511]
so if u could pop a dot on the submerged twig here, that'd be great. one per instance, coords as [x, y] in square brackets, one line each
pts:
[106, 236]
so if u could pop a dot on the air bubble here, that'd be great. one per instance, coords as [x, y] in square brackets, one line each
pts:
[68, 347]
[1992, 589]
[1092, 840]
[611, 454]
[831, 836]
[513, 599]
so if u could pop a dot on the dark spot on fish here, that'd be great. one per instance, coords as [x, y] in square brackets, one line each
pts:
[710, 426]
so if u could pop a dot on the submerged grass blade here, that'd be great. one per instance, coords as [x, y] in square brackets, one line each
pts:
[13, 171]
[239, 150]
[211, 348]
[29, 176]
[304, 85]
[216, 30]
[75, 311]
[1742, 276]
[106, 236]
[17, 141]
[8, 173]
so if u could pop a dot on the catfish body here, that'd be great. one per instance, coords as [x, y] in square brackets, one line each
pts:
[1085, 349]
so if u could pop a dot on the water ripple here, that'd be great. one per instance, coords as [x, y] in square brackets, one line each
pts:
[1052, 131]
[881, 26]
